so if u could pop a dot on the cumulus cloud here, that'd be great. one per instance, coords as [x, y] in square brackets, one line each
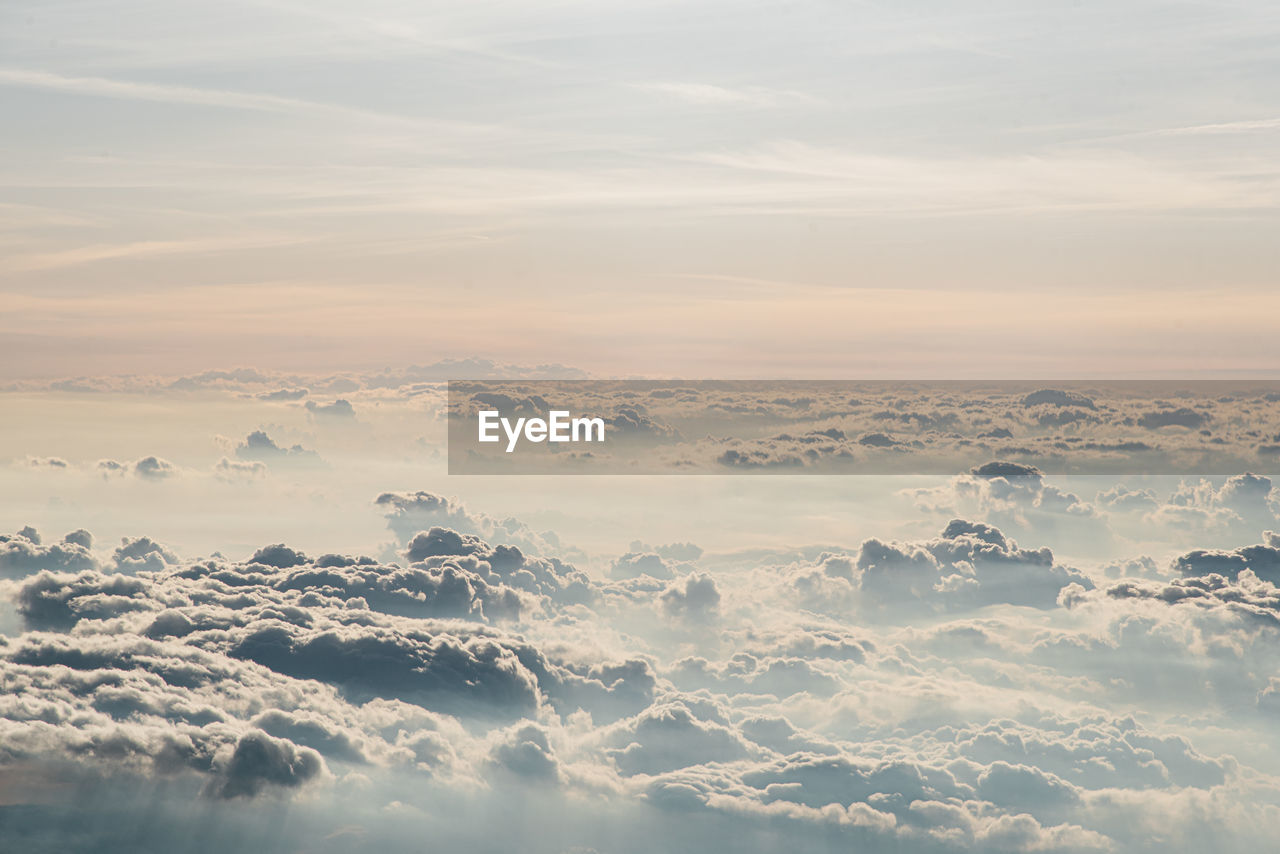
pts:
[54, 463]
[1181, 417]
[107, 468]
[1058, 397]
[638, 564]
[696, 598]
[410, 513]
[154, 468]
[283, 394]
[339, 408]
[526, 752]
[259, 447]
[234, 470]
[970, 565]
[965, 690]
[142, 553]
[258, 761]
[881, 428]
[24, 553]
[150, 468]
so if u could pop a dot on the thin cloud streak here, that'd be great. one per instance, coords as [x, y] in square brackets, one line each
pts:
[709, 95]
[783, 176]
[144, 249]
[225, 99]
[1226, 127]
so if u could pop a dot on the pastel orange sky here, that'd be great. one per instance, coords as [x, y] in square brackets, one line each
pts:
[638, 190]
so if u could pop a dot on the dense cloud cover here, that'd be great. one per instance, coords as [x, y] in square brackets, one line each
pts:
[1006, 659]
[962, 691]
[882, 427]
[1025, 662]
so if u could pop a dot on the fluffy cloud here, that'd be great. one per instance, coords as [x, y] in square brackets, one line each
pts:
[1120, 428]
[154, 468]
[410, 513]
[151, 468]
[962, 691]
[259, 447]
[970, 565]
[24, 553]
[340, 408]
[696, 598]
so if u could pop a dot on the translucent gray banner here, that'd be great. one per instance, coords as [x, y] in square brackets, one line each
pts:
[653, 427]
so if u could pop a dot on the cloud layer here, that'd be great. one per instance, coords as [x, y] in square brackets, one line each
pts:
[957, 692]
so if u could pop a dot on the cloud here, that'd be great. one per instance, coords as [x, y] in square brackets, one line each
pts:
[709, 95]
[955, 691]
[102, 709]
[59, 602]
[175, 94]
[309, 729]
[970, 565]
[234, 378]
[151, 468]
[285, 394]
[1004, 469]
[410, 513]
[498, 566]
[24, 554]
[1261, 560]
[339, 408]
[1057, 397]
[237, 470]
[154, 468]
[142, 554]
[637, 565]
[111, 467]
[667, 737]
[447, 370]
[899, 428]
[258, 761]
[47, 463]
[259, 447]
[1180, 417]
[526, 752]
[696, 599]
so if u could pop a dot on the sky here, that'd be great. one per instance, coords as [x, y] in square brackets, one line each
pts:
[246, 606]
[707, 189]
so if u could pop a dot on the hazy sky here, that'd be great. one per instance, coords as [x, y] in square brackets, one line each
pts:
[801, 188]
[243, 606]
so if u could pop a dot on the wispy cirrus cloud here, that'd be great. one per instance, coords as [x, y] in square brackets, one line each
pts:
[162, 92]
[1244, 126]
[167, 93]
[145, 249]
[710, 95]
